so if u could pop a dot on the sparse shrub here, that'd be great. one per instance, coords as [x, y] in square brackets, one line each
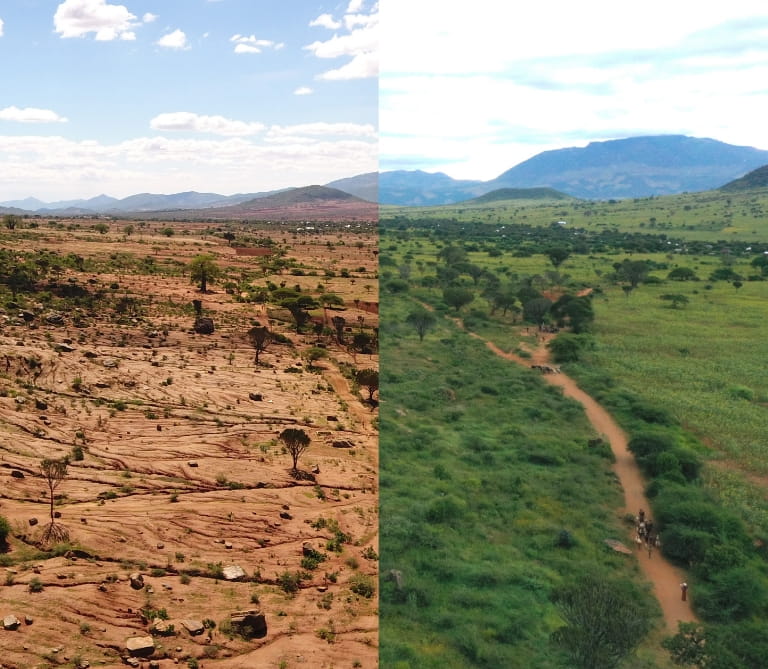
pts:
[35, 585]
[185, 579]
[5, 530]
[363, 585]
[289, 581]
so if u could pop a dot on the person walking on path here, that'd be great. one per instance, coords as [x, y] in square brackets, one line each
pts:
[684, 591]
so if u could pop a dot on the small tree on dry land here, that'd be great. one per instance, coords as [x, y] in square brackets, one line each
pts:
[338, 323]
[422, 320]
[10, 221]
[296, 441]
[54, 471]
[369, 378]
[203, 270]
[259, 337]
[5, 530]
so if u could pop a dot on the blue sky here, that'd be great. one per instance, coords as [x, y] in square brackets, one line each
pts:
[474, 89]
[128, 96]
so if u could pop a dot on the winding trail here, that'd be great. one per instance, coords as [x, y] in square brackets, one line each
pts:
[664, 577]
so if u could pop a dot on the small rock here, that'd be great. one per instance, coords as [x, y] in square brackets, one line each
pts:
[252, 619]
[32, 521]
[228, 545]
[28, 620]
[332, 419]
[256, 397]
[137, 581]
[160, 545]
[57, 514]
[132, 662]
[192, 463]
[40, 405]
[15, 473]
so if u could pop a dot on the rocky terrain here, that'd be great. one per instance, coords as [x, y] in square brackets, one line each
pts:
[185, 537]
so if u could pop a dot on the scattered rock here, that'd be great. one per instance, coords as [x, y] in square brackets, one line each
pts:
[285, 515]
[109, 363]
[40, 405]
[140, 646]
[194, 627]
[15, 473]
[137, 581]
[342, 443]
[32, 522]
[233, 573]
[192, 463]
[132, 662]
[28, 620]
[162, 627]
[331, 419]
[57, 514]
[54, 318]
[160, 545]
[203, 325]
[63, 348]
[256, 397]
[228, 545]
[11, 622]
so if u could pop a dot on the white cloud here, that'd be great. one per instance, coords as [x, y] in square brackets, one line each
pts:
[77, 18]
[216, 125]
[355, 6]
[30, 115]
[250, 44]
[360, 43]
[175, 40]
[1, 27]
[325, 21]
[321, 129]
[56, 168]
[303, 90]
[149, 18]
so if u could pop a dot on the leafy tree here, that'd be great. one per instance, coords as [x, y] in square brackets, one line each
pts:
[299, 306]
[536, 310]
[329, 300]
[315, 353]
[54, 471]
[338, 324]
[452, 254]
[229, 236]
[101, 228]
[676, 299]
[605, 620]
[369, 378]
[558, 255]
[259, 337]
[10, 221]
[203, 270]
[576, 311]
[168, 232]
[296, 441]
[421, 319]
[502, 297]
[682, 274]
[457, 297]
[633, 271]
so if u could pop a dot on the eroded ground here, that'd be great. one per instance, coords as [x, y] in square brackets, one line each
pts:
[182, 472]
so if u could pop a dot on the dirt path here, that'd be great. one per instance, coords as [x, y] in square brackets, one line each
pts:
[664, 577]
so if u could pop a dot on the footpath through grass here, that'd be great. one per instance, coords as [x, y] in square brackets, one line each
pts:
[491, 500]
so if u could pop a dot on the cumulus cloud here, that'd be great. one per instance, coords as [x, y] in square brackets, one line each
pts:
[354, 6]
[325, 21]
[1, 27]
[360, 44]
[216, 125]
[303, 90]
[77, 18]
[30, 115]
[149, 18]
[174, 40]
[250, 44]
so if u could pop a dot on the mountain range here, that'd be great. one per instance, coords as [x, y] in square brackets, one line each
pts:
[613, 169]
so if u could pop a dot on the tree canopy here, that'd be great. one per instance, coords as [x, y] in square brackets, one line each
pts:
[203, 270]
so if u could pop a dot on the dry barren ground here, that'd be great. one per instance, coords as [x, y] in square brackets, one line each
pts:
[182, 474]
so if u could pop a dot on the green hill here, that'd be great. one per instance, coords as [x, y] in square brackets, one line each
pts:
[502, 194]
[755, 179]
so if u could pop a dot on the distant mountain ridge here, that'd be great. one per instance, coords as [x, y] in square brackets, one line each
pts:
[613, 169]
[360, 186]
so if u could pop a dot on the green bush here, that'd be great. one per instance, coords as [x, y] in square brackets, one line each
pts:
[735, 594]
[5, 530]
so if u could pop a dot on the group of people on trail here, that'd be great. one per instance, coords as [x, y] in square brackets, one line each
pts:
[646, 533]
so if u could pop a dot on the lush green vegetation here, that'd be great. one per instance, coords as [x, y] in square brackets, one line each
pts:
[488, 511]
[662, 324]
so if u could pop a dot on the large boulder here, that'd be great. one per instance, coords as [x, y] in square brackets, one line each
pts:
[233, 573]
[140, 646]
[203, 325]
[137, 581]
[250, 624]
[11, 622]
[194, 627]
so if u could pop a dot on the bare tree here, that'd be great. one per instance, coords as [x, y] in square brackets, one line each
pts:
[54, 471]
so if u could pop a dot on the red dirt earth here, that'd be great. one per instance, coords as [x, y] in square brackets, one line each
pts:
[182, 471]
